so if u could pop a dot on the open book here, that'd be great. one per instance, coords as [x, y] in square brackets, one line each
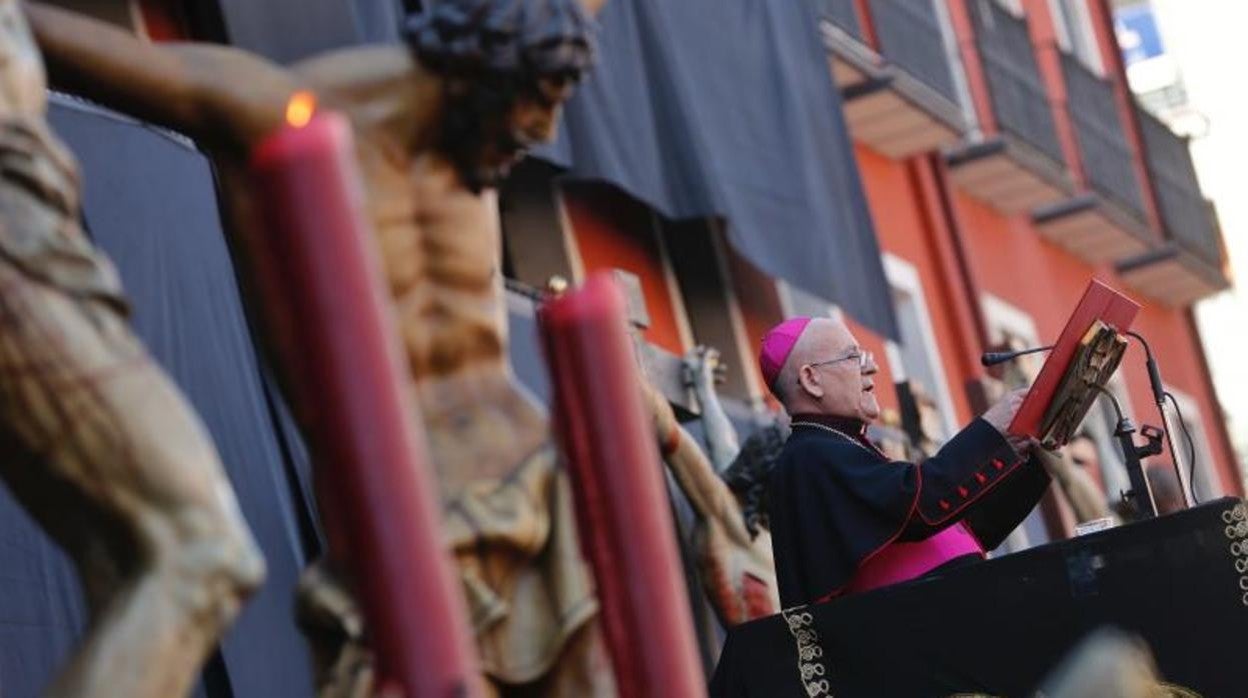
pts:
[1081, 362]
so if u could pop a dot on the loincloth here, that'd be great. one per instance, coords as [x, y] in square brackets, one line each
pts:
[63, 318]
[40, 232]
[527, 586]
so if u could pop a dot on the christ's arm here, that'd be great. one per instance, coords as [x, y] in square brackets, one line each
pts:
[593, 7]
[708, 494]
[208, 92]
[701, 365]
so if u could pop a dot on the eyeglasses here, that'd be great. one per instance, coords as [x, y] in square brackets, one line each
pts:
[865, 359]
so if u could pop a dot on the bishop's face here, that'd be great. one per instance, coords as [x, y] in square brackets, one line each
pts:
[839, 373]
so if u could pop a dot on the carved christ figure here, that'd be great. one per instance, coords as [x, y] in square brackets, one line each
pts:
[98, 445]
[734, 559]
[437, 122]
[702, 369]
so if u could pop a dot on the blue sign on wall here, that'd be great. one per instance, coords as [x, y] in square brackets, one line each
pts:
[1138, 36]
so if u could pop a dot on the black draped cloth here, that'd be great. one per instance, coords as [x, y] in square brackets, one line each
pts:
[726, 108]
[834, 501]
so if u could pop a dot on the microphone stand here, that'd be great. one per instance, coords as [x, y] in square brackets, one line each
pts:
[992, 358]
[1140, 496]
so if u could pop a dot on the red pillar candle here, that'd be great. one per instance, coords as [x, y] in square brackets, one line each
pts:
[622, 505]
[330, 325]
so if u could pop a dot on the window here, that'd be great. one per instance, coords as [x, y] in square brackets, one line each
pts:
[1010, 326]
[1207, 484]
[537, 238]
[1100, 424]
[1014, 7]
[1075, 35]
[916, 359]
[697, 253]
[954, 56]
[611, 230]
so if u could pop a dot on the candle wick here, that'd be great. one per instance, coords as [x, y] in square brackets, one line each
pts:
[300, 108]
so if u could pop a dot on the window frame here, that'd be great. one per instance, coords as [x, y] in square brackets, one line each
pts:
[1086, 50]
[1208, 483]
[903, 277]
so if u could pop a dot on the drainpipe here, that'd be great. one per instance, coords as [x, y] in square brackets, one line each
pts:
[867, 23]
[1049, 60]
[944, 233]
[1116, 73]
[977, 80]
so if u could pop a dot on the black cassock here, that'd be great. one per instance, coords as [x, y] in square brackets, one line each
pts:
[834, 500]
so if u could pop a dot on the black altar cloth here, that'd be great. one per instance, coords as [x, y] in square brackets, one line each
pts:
[998, 627]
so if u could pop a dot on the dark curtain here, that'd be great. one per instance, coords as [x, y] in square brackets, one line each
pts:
[42, 610]
[700, 108]
[726, 108]
[289, 30]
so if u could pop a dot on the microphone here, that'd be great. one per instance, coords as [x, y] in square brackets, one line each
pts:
[992, 358]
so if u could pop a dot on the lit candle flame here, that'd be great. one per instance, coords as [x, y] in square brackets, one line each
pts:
[300, 108]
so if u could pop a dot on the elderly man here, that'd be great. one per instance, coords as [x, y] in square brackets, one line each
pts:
[844, 517]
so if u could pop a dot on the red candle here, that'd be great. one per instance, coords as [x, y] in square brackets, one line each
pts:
[329, 321]
[622, 506]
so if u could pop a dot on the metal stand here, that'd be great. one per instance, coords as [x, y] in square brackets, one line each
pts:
[1140, 496]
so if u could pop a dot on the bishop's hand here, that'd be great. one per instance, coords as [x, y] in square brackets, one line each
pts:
[1002, 413]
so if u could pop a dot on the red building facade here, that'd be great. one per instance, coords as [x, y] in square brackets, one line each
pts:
[1004, 164]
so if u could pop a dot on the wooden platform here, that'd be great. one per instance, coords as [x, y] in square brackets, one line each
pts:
[886, 108]
[1008, 175]
[1173, 276]
[1093, 229]
[898, 116]
[850, 61]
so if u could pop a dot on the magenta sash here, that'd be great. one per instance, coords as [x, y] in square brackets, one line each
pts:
[900, 562]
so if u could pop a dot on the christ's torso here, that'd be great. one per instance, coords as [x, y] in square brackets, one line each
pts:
[440, 249]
